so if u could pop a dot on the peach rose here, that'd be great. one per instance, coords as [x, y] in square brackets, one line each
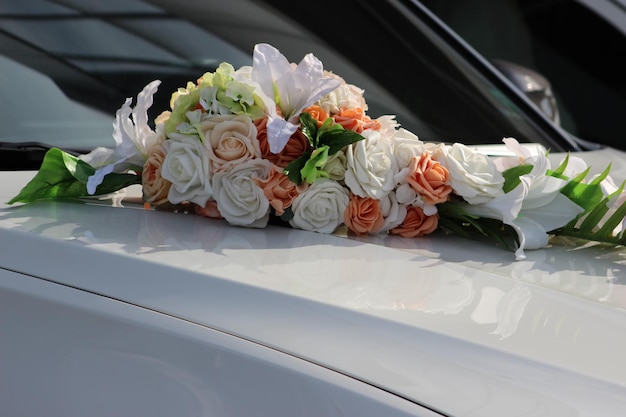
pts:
[155, 187]
[279, 190]
[416, 223]
[296, 145]
[355, 120]
[230, 140]
[363, 215]
[429, 179]
[318, 113]
[209, 210]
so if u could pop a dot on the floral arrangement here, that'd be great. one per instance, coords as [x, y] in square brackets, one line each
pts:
[287, 143]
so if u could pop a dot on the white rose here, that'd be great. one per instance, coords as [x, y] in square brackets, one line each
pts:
[346, 96]
[473, 175]
[388, 125]
[371, 166]
[406, 145]
[321, 207]
[230, 139]
[239, 200]
[393, 212]
[186, 166]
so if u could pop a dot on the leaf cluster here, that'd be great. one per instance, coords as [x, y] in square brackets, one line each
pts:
[325, 140]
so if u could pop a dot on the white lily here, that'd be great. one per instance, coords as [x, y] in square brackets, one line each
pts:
[288, 88]
[533, 208]
[133, 139]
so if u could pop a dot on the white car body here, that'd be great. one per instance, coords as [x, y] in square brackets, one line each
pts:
[108, 311]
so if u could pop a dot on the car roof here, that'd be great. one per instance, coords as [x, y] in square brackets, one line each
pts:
[425, 318]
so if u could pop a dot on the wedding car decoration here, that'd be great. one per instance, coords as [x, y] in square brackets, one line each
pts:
[285, 143]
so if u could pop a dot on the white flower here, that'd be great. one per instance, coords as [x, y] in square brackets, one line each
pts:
[473, 176]
[371, 166]
[186, 166]
[321, 207]
[239, 200]
[346, 96]
[291, 88]
[405, 194]
[133, 139]
[533, 208]
[393, 212]
[406, 145]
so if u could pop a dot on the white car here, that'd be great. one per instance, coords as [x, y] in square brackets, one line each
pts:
[115, 310]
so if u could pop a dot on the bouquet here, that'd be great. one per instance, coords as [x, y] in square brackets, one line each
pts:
[293, 144]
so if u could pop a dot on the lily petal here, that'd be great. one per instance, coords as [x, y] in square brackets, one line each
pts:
[531, 235]
[554, 215]
[288, 89]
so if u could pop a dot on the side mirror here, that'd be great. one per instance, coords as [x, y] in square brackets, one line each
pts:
[534, 85]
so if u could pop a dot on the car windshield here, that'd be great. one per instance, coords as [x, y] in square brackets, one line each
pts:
[69, 65]
[577, 45]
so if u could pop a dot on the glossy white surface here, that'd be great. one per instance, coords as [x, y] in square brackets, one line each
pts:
[74, 354]
[456, 325]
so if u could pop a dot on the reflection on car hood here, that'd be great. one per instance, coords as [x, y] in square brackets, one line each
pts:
[425, 318]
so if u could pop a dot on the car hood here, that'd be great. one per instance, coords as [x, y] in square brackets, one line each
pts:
[450, 323]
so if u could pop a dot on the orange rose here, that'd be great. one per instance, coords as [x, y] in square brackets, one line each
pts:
[279, 190]
[355, 120]
[416, 223]
[296, 145]
[363, 215]
[209, 210]
[429, 179]
[155, 187]
[318, 113]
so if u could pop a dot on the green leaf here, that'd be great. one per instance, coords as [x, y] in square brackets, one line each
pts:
[453, 218]
[292, 170]
[312, 169]
[561, 169]
[592, 228]
[585, 195]
[54, 179]
[329, 134]
[308, 126]
[63, 175]
[114, 182]
[337, 139]
[511, 176]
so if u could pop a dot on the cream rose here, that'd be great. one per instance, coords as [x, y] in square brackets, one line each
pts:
[473, 176]
[230, 140]
[335, 166]
[321, 207]
[239, 199]
[186, 166]
[371, 166]
[155, 188]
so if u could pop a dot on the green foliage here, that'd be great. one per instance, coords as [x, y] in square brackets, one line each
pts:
[325, 141]
[597, 222]
[65, 176]
[454, 219]
[511, 176]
